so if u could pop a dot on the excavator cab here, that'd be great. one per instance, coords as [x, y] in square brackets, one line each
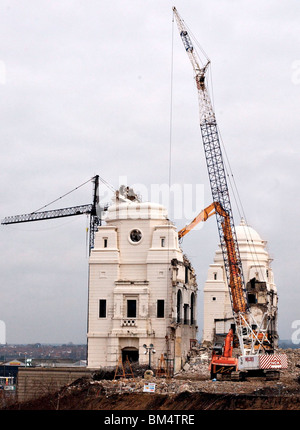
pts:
[222, 362]
[218, 348]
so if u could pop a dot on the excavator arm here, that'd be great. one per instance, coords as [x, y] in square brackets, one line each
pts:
[202, 216]
[239, 302]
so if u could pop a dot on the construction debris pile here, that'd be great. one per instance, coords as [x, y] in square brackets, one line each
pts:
[189, 389]
[195, 377]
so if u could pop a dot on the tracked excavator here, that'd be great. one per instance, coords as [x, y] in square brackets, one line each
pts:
[257, 355]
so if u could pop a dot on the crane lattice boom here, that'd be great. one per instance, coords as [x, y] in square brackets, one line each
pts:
[45, 215]
[253, 336]
[217, 175]
[89, 209]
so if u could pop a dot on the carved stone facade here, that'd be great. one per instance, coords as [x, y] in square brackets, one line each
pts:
[260, 287]
[142, 290]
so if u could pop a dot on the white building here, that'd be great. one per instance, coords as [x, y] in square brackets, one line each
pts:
[259, 280]
[142, 290]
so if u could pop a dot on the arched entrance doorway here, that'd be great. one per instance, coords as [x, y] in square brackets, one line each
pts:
[132, 354]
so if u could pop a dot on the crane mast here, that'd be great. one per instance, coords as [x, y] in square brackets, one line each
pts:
[217, 179]
[255, 346]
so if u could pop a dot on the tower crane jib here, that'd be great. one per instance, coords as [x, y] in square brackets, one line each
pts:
[93, 210]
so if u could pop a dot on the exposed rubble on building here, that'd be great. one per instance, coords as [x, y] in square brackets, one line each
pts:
[260, 288]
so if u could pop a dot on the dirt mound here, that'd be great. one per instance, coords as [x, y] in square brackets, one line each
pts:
[83, 400]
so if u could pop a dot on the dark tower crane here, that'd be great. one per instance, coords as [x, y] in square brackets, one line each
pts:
[256, 351]
[93, 210]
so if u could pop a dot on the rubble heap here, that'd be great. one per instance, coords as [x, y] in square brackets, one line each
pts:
[191, 388]
[195, 377]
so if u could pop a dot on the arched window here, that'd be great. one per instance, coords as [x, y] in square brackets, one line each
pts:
[179, 306]
[192, 308]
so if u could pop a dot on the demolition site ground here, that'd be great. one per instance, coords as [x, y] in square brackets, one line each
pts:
[190, 389]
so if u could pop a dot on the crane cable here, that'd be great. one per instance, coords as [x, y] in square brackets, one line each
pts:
[109, 186]
[76, 188]
[241, 211]
[228, 170]
[61, 197]
[198, 44]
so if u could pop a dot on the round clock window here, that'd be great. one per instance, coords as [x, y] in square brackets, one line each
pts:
[135, 236]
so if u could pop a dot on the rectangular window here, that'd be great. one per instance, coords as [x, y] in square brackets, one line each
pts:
[160, 309]
[186, 276]
[215, 276]
[131, 308]
[102, 308]
[105, 242]
[251, 298]
[163, 242]
[185, 313]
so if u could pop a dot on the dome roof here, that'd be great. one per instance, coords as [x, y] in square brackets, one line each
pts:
[245, 233]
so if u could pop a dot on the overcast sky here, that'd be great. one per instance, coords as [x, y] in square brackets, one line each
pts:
[86, 89]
